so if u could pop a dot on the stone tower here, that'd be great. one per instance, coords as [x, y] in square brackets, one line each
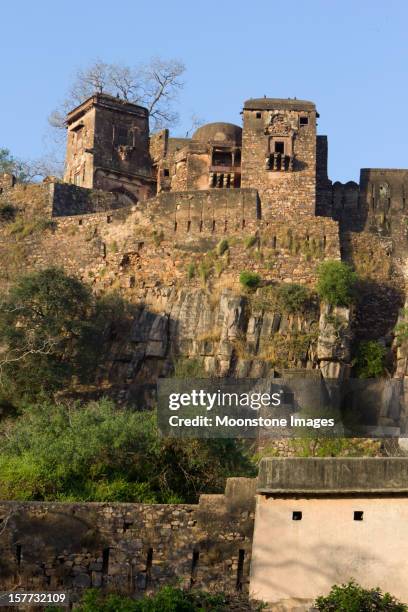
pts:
[108, 147]
[279, 155]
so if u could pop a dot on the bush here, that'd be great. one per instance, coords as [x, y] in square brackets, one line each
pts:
[98, 452]
[204, 270]
[250, 241]
[191, 271]
[293, 298]
[351, 597]
[7, 212]
[168, 599]
[370, 359]
[222, 246]
[189, 368]
[336, 283]
[158, 237]
[250, 280]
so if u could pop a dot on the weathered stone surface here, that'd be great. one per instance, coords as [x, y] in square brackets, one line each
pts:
[334, 334]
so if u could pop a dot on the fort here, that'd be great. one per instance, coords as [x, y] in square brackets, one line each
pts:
[169, 223]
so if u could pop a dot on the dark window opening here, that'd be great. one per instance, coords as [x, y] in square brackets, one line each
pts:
[358, 515]
[144, 577]
[304, 120]
[296, 516]
[237, 158]
[201, 226]
[279, 147]
[166, 172]
[188, 225]
[105, 561]
[240, 569]
[80, 222]
[213, 225]
[109, 219]
[225, 225]
[18, 554]
[222, 158]
[149, 562]
[175, 226]
[258, 115]
[243, 223]
[274, 242]
[194, 567]
[122, 136]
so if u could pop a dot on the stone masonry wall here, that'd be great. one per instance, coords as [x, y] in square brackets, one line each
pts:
[134, 548]
[284, 194]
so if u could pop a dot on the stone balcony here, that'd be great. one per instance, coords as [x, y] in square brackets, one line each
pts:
[279, 162]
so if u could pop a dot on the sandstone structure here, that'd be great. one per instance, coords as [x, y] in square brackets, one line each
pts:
[169, 224]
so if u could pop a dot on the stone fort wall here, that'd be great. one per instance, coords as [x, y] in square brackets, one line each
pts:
[155, 241]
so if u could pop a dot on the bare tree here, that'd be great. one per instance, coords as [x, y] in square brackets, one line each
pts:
[155, 84]
[161, 82]
[195, 123]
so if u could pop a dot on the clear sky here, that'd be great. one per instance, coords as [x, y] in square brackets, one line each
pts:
[348, 56]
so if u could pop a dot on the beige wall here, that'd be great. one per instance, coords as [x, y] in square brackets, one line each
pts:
[303, 559]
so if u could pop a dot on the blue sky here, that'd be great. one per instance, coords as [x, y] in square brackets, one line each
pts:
[349, 56]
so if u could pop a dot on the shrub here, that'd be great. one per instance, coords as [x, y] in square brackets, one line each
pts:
[22, 228]
[401, 329]
[204, 270]
[158, 237]
[191, 271]
[189, 368]
[351, 597]
[336, 283]
[293, 298]
[168, 599]
[7, 212]
[250, 280]
[370, 359]
[222, 246]
[250, 241]
[99, 452]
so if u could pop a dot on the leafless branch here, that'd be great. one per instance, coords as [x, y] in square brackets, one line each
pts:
[155, 84]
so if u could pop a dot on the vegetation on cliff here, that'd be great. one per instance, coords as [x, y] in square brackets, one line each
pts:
[336, 283]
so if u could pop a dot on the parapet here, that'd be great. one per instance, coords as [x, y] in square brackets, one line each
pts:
[106, 101]
[280, 103]
[333, 476]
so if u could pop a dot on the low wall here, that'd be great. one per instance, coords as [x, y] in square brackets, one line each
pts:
[134, 548]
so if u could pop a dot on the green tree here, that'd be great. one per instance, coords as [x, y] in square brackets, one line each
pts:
[351, 597]
[11, 165]
[336, 283]
[47, 329]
